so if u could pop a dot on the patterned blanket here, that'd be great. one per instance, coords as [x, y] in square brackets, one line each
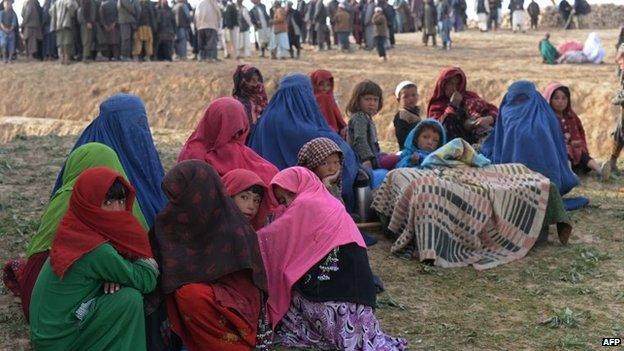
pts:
[483, 217]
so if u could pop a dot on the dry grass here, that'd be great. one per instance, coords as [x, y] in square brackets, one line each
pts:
[557, 298]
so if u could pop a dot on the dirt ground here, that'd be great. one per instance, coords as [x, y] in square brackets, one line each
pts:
[557, 298]
[177, 93]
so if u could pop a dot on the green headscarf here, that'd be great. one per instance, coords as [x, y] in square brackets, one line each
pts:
[86, 156]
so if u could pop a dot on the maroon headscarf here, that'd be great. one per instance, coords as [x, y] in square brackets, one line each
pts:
[253, 98]
[201, 235]
[326, 100]
[473, 104]
[86, 225]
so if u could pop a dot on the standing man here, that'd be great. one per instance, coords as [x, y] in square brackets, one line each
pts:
[31, 27]
[87, 14]
[295, 29]
[261, 21]
[459, 14]
[565, 9]
[320, 24]
[62, 15]
[244, 23]
[127, 13]
[183, 19]
[8, 23]
[208, 22]
[144, 35]
[534, 11]
[108, 30]
[231, 30]
[165, 32]
[518, 20]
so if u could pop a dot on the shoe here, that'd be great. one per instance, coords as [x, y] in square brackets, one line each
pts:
[605, 171]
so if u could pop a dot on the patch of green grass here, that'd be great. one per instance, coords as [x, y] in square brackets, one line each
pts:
[564, 318]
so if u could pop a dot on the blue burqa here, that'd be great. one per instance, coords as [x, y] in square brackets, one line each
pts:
[293, 118]
[528, 132]
[122, 125]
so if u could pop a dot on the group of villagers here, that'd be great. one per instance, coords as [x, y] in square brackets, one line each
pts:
[250, 241]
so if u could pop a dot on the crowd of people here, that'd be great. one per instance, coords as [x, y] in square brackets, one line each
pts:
[143, 30]
[225, 251]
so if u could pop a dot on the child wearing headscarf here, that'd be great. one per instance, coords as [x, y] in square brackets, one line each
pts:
[98, 242]
[408, 115]
[249, 90]
[212, 271]
[323, 84]
[249, 193]
[425, 138]
[321, 271]
[558, 96]
[21, 276]
[323, 157]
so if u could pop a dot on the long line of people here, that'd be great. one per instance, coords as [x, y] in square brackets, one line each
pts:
[226, 251]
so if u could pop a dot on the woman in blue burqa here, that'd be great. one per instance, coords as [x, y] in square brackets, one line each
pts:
[122, 125]
[293, 118]
[528, 132]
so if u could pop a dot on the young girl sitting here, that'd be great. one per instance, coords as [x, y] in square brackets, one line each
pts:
[212, 271]
[77, 302]
[425, 138]
[249, 192]
[323, 84]
[558, 96]
[409, 114]
[317, 266]
[323, 157]
[366, 100]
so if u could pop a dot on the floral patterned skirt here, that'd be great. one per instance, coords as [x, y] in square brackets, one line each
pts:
[333, 326]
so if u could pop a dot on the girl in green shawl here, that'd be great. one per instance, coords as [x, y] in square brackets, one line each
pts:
[84, 157]
[548, 51]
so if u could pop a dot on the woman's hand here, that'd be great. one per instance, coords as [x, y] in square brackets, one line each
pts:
[367, 164]
[111, 288]
[330, 180]
[456, 99]
[484, 122]
[415, 157]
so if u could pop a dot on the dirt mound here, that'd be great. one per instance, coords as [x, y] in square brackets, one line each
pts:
[601, 16]
[176, 94]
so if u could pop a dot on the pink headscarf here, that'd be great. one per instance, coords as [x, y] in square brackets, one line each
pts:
[313, 225]
[219, 139]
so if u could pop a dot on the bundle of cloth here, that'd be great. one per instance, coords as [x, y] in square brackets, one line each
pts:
[591, 52]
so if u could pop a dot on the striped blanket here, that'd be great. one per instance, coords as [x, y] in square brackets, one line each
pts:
[483, 217]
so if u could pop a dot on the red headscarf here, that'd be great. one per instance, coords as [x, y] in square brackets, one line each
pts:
[219, 139]
[253, 98]
[326, 100]
[439, 105]
[239, 180]
[86, 225]
[570, 123]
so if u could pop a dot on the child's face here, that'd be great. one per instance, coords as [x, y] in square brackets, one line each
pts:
[428, 140]
[451, 86]
[114, 205]
[283, 196]
[408, 97]
[369, 104]
[620, 61]
[330, 166]
[324, 86]
[559, 101]
[248, 202]
[254, 80]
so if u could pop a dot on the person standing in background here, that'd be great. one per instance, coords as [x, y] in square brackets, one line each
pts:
[166, 31]
[534, 11]
[231, 30]
[144, 34]
[261, 21]
[444, 23]
[320, 24]
[48, 46]
[183, 24]
[8, 23]
[459, 14]
[208, 22]
[109, 38]
[31, 27]
[62, 14]
[295, 29]
[429, 22]
[127, 12]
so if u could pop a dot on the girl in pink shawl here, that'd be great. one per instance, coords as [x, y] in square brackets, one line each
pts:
[318, 268]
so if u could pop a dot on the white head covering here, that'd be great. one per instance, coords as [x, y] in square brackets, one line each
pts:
[378, 9]
[401, 86]
[593, 49]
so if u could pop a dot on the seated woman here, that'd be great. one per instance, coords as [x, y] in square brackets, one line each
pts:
[219, 140]
[462, 113]
[426, 137]
[123, 126]
[549, 53]
[249, 192]
[529, 133]
[558, 96]
[249, 90]
[292, 119]
[323, 157]
[321, 291]
[24, 274]
[77, 302]
[323, 84]
[212, 271]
